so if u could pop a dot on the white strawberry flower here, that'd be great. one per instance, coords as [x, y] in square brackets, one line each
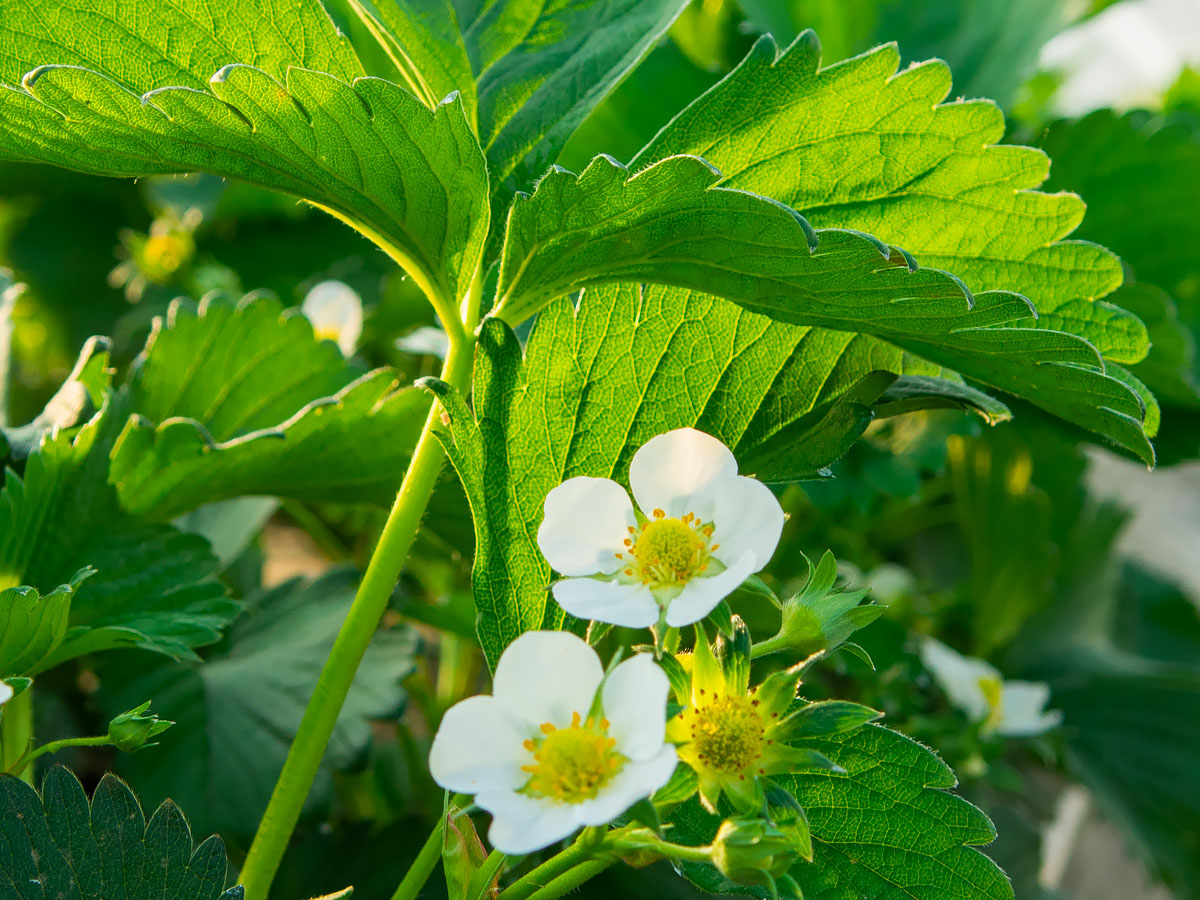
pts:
[336, 313]
[557, 746]
[700, 530]
[6, 692]
[1007, 708]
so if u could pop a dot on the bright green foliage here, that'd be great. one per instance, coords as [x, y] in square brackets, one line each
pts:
[542, 67]
[423, 40]
[237, 711]
[32, 626]
[1132, 738]
[56, 845]
[991, 47]
[856, 146]
[886, 828]
[279, 115]
[633, 362]
[1124, 165]
[154, 586]
[232, 400]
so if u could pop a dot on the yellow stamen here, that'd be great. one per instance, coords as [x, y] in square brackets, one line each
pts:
[572, 764]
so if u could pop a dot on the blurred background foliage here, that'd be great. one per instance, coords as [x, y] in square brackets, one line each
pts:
[1051, 558]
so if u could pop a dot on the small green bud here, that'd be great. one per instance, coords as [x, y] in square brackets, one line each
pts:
[822, 616]
[753, 852]
[132, 729]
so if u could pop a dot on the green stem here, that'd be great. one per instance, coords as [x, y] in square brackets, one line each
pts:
[423, 866]
[775, 644]
[531, 882]
[571, 879]
[362, 620]
[16, 733]
[53, 747]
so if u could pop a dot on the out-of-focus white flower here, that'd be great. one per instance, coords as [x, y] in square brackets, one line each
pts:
[1126, 56]
[336, 313]
[6, 693]
[1009, 708]
[558, 746]
[428, 340]
[701, 530]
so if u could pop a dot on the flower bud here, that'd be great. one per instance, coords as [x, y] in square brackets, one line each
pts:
[132, 729]
[752, 851]
[822, 616]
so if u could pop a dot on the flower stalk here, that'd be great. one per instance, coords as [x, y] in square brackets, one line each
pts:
[370, 602]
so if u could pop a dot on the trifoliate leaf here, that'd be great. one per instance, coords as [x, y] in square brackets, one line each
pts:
[886, 828]
[238, 710]
[235, 400]
[154, 587]
[32, 626]
[858, 146]
[596, 383]
[57, 845]
[543, 67]
[271, 96]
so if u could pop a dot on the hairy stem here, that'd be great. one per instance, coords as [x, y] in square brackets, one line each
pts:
[16, 734]
[423, 866]
[531, 882]
[571, 879]
[362, 620]
[23, 764]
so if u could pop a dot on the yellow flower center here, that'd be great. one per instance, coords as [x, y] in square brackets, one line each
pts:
[162, 254]
[993, 692]
[327, 333]
[727, 734]
[665, 552]
[572, 764]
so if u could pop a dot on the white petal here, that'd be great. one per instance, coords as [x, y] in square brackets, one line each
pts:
[701, 595]
[627, 605]
[6, 693]
[635, 781]
[747, 519]
[428, 340]
[585, 525]
[335, 309]
[635, 704]
[478, 748]
[545, 676]
[672, 471]
[522, 824]
[959, 676]
[1023, 709]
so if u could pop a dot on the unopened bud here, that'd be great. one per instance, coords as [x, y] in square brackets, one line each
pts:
[753, 852]
[131, 730]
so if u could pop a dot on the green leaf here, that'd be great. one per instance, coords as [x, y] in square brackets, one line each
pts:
[887, 828]
[238, 710]
[991, 47]
[1123, 166]
[32, 626]
[543, 67]
[264, 94]
[423, 40]
[596, 383]
[108, 849]
[857, 147]
[154, 587]
[1132, 738]
[236, 400]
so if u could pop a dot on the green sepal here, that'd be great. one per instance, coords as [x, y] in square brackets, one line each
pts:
[827, 717]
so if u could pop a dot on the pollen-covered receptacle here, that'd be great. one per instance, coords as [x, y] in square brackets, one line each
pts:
[727, 734]
[700, 530]
[559, 745]
[572, 763]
